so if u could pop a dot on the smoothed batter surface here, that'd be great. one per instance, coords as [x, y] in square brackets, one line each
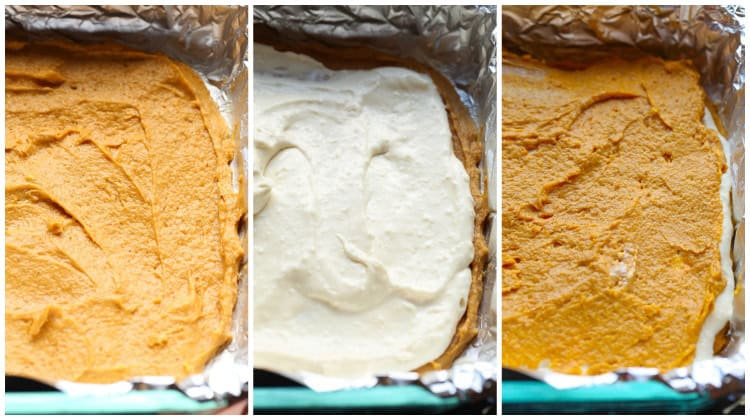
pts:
[121, 243]
[612, 216]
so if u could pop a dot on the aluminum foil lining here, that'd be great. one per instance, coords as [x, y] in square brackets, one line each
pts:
[460, 42]
[213, 41]
[710, 36]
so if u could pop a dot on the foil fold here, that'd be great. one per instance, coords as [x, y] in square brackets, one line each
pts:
[213, 41]
[460, 42]
[712, 38]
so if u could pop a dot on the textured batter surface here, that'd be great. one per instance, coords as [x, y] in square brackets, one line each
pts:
[121, 243]
[466, 148]
[612, 216]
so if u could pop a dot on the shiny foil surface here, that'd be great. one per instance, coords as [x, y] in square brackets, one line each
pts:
[460, 42]
[712, 38]
[213, 41]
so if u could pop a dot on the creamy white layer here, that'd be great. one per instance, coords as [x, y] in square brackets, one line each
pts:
[363, 219]
[724, 303]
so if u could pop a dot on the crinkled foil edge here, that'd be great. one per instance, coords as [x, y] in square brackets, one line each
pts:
[710, 36]
[213, 40]
[459, 41]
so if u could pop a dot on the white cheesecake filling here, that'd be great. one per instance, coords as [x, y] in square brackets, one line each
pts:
[724, 302]
[363, 219]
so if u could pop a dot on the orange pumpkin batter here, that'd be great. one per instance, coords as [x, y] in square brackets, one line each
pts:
[120, 232]
[611, 215]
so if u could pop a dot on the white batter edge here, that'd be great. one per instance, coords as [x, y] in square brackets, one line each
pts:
[723, 305]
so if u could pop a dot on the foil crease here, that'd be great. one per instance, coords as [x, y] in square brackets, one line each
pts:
[213, 41]
[460, 42]
[711, 37]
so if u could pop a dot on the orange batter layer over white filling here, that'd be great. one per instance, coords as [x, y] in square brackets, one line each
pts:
[612, 216]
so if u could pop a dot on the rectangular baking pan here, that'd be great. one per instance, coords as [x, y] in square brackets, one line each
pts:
[274, 394]
[27, 396]
[380, 399]
[713, 31]
[522, 395]
[135, 402]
